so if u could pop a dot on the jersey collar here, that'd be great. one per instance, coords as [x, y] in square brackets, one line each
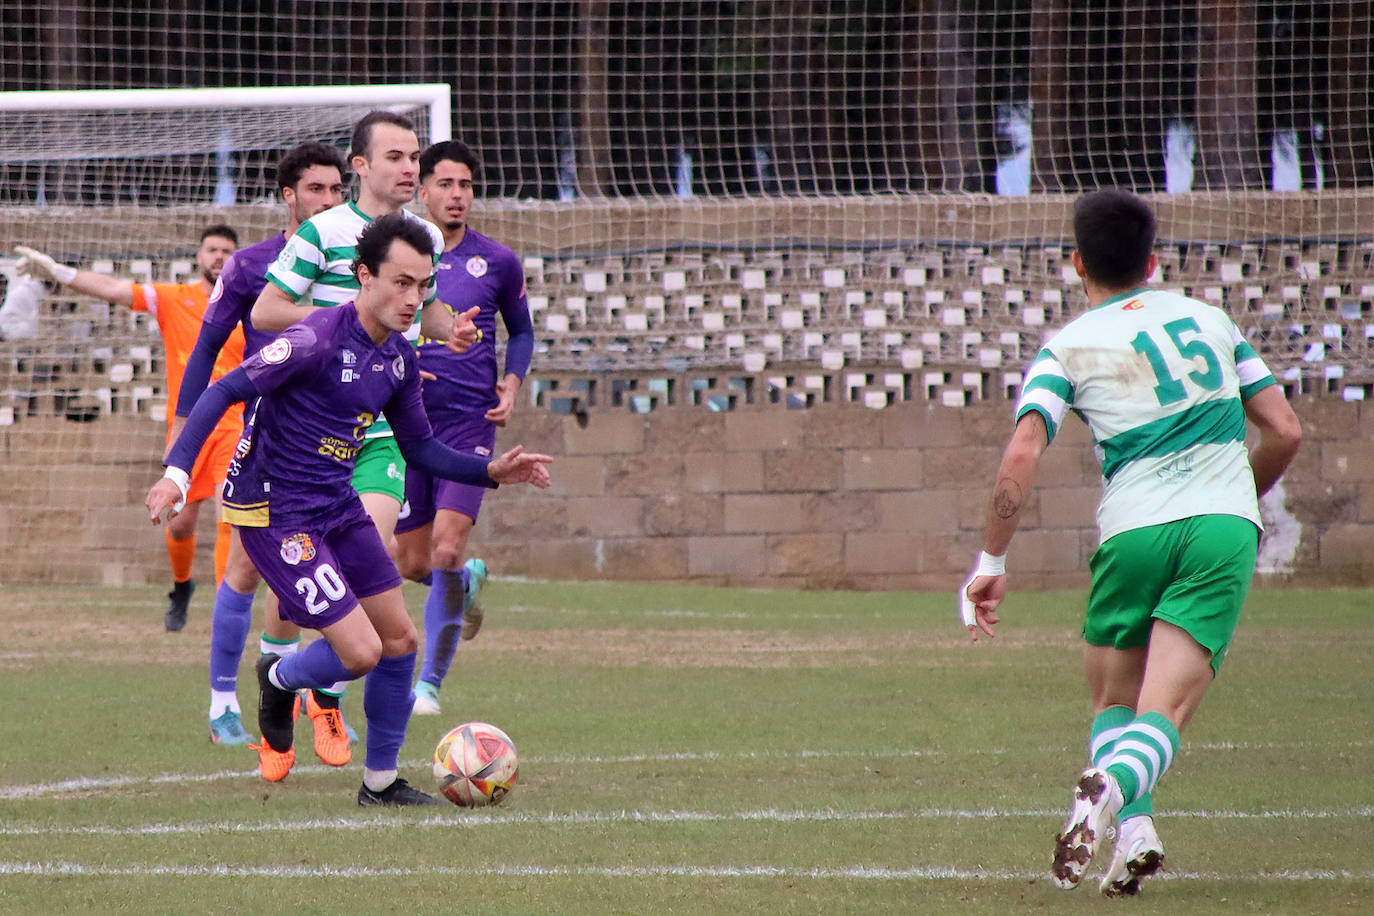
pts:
[1120, 297]
[354, 207]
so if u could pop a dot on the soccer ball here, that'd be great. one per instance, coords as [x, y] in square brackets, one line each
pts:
[476, 765]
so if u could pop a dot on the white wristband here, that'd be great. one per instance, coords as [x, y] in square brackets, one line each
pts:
[63, 274]
[990, 565]
[987, 566]
[182, 480]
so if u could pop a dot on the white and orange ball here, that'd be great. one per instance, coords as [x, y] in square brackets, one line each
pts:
[475, 765]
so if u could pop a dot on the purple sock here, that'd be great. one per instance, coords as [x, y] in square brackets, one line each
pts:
[443, 622]
[230, 622]
[386, 703]
[317, 666]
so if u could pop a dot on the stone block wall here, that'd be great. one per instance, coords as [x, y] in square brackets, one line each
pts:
[831, 497]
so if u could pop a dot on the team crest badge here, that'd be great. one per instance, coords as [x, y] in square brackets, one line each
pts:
[398, 366]
[277, 351]
[286, 257]
[1132, 305]
[297, 549]
[477, 266]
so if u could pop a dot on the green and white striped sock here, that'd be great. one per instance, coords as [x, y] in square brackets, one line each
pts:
[1108, 725]
[1142, 753]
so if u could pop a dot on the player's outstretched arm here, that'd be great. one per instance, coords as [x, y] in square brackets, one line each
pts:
[519, 466]
[34, 263]
[440, 460]
[169, 493]
[1280, 436]
[275, 311]
[987, 585]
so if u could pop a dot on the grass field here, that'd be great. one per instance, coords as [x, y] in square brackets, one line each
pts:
[685, 750]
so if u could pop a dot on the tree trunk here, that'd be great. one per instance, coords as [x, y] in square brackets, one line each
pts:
[793, 123]
[1051, 153]
[1349, 129]
[595, 176]
[956, 99]
[64, 40]
[1227, 133]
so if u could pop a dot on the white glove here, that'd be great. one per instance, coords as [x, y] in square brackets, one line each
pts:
[987, 566]
[37, 264]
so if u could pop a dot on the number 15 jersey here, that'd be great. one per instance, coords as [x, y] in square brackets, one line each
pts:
[1161, 381]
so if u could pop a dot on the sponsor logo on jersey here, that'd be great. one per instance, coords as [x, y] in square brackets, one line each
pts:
[348, 375]
[297, 549]
[483, 451]
[349, 358]
[398, 367]
[241, 449]
[277, 351]
[338, 449]
[477, 266]
[1132, 305]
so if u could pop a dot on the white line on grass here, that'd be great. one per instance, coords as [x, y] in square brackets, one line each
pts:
[857, 872]
[476, 819]
[96, 784]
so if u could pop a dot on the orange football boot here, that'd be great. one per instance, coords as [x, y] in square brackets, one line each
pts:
[274, 765]
[331, 738]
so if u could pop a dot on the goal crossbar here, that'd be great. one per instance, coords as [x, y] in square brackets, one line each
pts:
[435, 97]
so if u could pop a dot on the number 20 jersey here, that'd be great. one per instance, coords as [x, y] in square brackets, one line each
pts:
[1161, 381]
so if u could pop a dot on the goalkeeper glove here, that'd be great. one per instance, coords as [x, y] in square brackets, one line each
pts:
[40, 266]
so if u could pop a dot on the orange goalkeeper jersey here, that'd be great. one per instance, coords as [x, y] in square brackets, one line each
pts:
[179, 309]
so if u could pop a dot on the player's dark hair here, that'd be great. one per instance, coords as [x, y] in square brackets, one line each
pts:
[362, 133]
[448, 151]
[293, 165]
[1115, 233]
[376, 239]
[220, 231]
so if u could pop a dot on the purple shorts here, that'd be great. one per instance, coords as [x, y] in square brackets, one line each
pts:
[321, 569]
[426, 494]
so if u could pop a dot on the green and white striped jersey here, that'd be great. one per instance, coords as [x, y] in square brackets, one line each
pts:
[1161, 381]
[316, 267]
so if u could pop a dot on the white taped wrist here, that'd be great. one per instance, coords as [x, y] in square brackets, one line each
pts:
[989, 565]
[182, 480]
[63, 274]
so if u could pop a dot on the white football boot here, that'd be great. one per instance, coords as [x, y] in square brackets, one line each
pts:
[1096, 800]
[1138, 854]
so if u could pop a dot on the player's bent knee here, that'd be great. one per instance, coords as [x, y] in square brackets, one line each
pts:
[441, 558]
[410, 568]
[359, 660]
[401, 643]
[240, 573]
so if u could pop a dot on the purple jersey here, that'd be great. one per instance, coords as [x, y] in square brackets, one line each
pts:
[243, 277]
[477, 271]
[323, 383]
